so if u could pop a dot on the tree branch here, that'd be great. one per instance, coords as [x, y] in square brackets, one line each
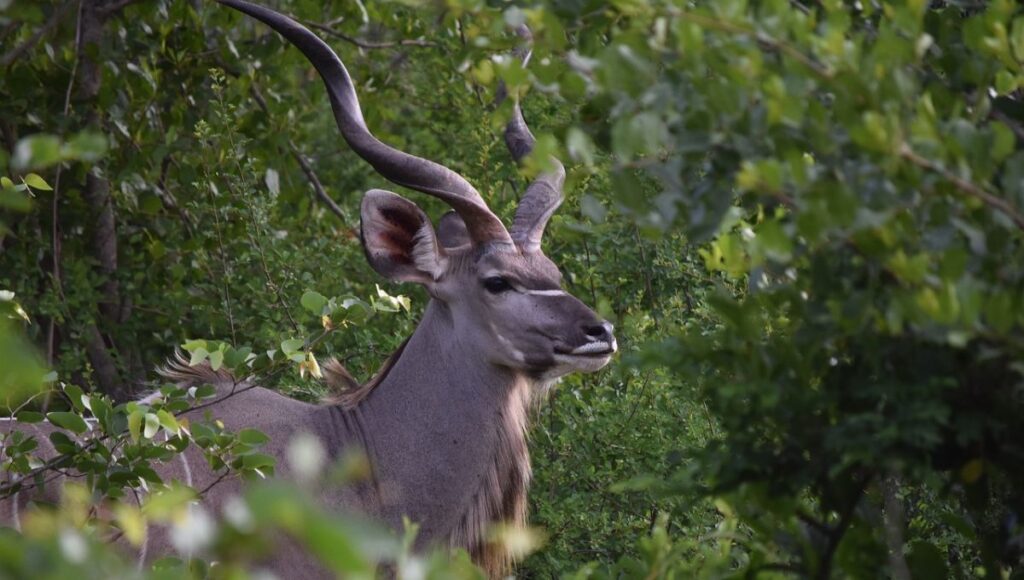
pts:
[113, 7]
[964, 186]
[893, 517]
[99, 344]
[170, 202]
[368, 44]
[763, 39]
[306, 168]
[16, 52]
[104, 241]
[835, 536]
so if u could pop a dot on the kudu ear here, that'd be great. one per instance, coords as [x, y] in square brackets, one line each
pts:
[452, 230]
[399, 240]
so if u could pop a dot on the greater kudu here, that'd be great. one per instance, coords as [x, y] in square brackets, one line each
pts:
[443, 423]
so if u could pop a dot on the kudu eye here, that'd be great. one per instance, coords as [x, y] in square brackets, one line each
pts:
[497, 284]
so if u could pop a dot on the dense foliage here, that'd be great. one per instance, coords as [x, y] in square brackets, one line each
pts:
[804, 219]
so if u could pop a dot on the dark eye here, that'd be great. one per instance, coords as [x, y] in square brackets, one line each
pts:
[497, 285]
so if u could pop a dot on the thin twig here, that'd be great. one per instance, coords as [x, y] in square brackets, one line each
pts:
[254, 238]
[648, 285]
[9, 28]
[16, 52]
[639, 399]
[964, 186]
[368, 44]
[266, 272]
[219, 479]
[813, 522]
[321, 194]
[54, 214]
[54, 462]
[168, 199]
[224, 263]
[590, 273]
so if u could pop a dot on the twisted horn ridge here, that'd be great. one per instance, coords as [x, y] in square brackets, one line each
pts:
[397, 166]
[544, 195]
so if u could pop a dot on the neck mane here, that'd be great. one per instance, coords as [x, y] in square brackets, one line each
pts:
[446, 434]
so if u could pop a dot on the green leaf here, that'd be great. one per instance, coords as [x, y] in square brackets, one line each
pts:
[292, 345]
[1006, 82]
[236, 357]
[216, 359]
[314, 302]
[352, 309]
[103, 412]
[62, 443]
[198, 356]
[1017, 38]
[74, 394]
[774, 242]
[34, 181]
[87, 146]
[30, 417]
[593, 209]
[38, 151]
[135, 424]
[1003, 141]
[152, 425]
[70, 421]
[14, 200]
[168, 502]
[388, 303]
[168, 421]
[252, 437]
[257, 460]
[192, 345]
[580, 147]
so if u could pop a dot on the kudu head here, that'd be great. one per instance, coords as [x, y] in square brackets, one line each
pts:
[504, 296]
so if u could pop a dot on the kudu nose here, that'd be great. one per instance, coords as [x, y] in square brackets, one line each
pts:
[599, 332]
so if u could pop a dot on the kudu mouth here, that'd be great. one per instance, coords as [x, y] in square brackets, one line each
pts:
[600, 343]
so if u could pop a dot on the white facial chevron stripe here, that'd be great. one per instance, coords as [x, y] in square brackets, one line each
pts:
[545, 292]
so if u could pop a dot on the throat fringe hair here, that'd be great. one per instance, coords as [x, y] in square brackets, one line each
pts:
[501, 498]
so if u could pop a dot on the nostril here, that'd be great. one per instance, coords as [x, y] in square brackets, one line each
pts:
[595, 330]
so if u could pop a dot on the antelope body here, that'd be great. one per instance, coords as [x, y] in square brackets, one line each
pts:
[443, 424]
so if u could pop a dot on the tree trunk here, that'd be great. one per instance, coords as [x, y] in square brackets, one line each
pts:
[97, 193]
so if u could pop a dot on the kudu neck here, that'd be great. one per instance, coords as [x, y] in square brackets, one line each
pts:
[445, 431]
[440, 373]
